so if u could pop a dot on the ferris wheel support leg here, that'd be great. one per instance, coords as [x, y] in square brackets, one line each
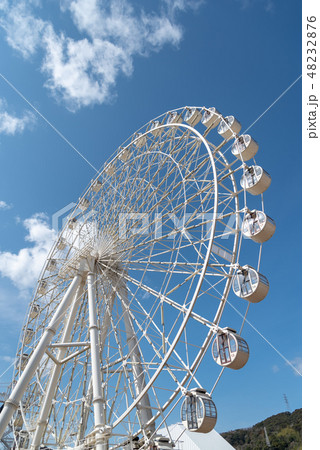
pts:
[98, 398]
[85, 405]
[52, 385]
[12, 403]
[144, 411]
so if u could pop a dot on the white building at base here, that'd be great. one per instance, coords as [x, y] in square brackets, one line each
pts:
[187, 440]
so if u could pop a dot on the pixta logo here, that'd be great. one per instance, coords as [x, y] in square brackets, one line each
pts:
[61, 217]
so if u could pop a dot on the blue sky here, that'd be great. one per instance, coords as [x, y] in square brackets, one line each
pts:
[97, 75]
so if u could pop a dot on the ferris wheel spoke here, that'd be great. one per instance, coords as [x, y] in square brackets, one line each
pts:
[163, 215]
[156, 350]
[122, 353]
[227, 171]
[176, 185]
[167, 367]
[137, 198]
[165, 340]
[185, 268]
[169, 214]
[145, 243]
[180, 307]
[147, 316]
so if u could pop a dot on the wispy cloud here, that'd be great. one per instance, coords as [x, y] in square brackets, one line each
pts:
[4, 205]
[275, 368]
[23, 268]
[297, 363]
[6, 358]
[11, 124]
[83, 71]
[22, 29]
[268, 5]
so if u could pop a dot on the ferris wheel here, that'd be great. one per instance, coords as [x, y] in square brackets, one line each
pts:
[131, 302]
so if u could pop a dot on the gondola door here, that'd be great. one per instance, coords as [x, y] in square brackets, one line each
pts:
[224, 350]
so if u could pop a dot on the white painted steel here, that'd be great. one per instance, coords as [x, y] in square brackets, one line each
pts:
[144, 410]
[12, 402]
[52, 385]
[98, 397]
[159, 230]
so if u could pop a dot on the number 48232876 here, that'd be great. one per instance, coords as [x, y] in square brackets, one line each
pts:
[311, 47]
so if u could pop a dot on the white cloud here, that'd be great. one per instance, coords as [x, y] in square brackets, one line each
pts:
[23, 30]
[6, 358]
[23, 268]
[11, 124]
[84, 70]
[182, 5]
[134, 32]
[268, 5]
[4, 205]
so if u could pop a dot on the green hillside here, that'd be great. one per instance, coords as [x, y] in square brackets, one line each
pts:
[284, 432]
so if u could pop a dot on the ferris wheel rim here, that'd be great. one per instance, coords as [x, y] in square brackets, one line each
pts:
[195, 295]
[235, 254]
[204, 265]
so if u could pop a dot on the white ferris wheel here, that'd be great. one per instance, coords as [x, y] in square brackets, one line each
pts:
[131, 302]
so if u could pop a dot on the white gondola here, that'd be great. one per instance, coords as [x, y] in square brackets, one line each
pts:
[34, 311]
[23, 439]
[132, 444]
[192, 116]
[43, 286]
[198, 412]
[96, 185]
[154, 128]
[24, 360]
[28, 336]
[110, 169]
[174, 117]
[161, 443]
[250, 284]
[244, 147]
[84, 204]
[141, 140]
[229, 349]
[258, 226]
[255, 180]
[72, 223]
[61, 245]
[18, 420]
[52, 265]
[211, 117]
[124, 155]
[229, 126]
